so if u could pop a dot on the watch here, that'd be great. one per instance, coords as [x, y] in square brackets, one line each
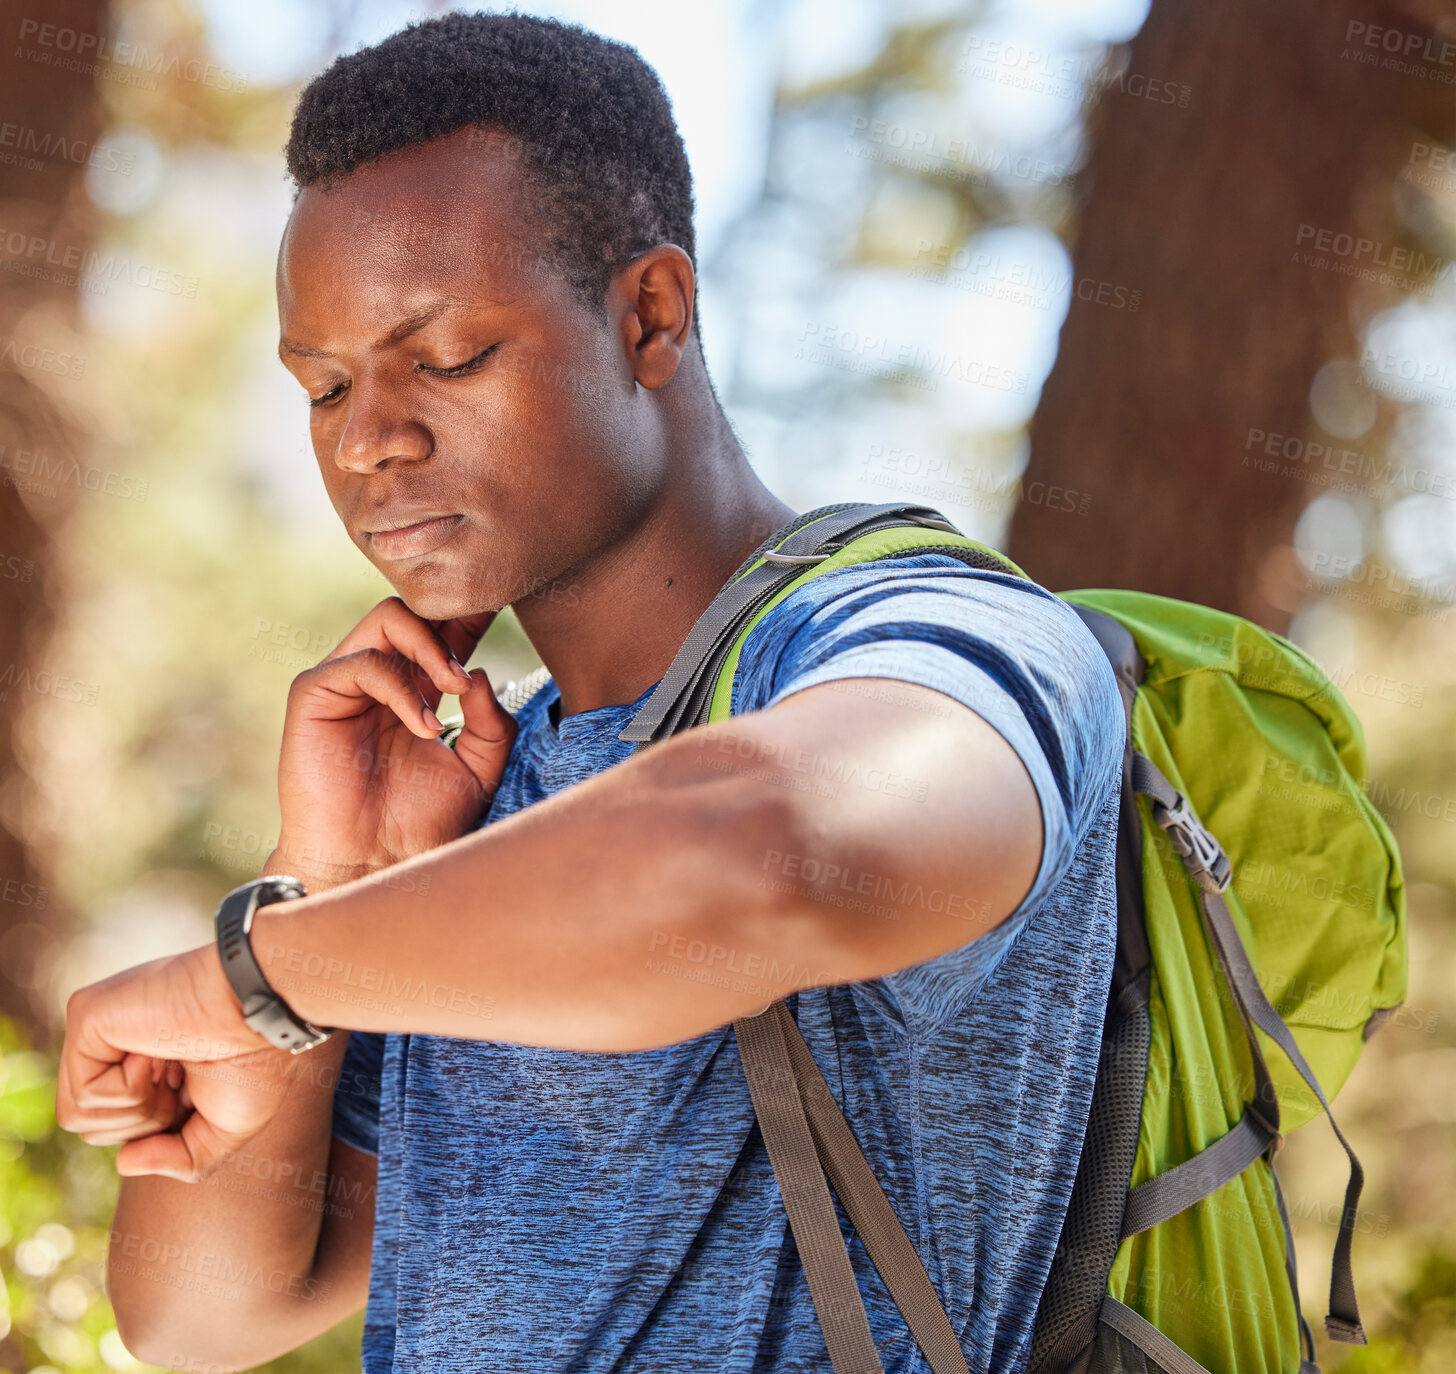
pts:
[263, 1009]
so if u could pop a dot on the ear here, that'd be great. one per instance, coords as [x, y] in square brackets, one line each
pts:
[653, 298]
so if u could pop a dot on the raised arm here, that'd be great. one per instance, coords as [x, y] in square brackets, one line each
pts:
[573, 923]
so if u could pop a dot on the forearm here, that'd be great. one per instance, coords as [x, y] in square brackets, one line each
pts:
[565, 925]
[229, 1268]
[693, 884]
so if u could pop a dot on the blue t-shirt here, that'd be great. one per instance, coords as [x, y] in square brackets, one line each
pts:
[551, 1210]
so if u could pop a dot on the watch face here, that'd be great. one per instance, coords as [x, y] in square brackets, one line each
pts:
[279, 887]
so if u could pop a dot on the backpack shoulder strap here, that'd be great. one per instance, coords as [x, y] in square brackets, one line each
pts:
[807, 1136]
[811, 544]
[804, 1130]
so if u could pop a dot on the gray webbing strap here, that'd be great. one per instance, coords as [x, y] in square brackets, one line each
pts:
[725, 615]
[785, 1130]
[1201, 855]
[1180, 1187]
[695, 702]
[1307, 1363]
[782, 1064]
[1343, 1321]
[687, 683]
[1143, 1334]
[870, 1210]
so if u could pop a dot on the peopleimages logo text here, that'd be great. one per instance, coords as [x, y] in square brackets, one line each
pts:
[1358, 248]
[84, 47]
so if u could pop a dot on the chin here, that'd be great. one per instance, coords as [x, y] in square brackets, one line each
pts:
[447, 598]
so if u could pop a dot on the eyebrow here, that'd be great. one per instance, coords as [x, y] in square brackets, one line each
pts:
[411, 324]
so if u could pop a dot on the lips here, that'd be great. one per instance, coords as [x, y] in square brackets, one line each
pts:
[422, 536]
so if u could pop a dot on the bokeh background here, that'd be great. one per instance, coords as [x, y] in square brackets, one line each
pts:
[1151, 297]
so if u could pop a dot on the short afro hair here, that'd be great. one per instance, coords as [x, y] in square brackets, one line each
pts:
[590, 118]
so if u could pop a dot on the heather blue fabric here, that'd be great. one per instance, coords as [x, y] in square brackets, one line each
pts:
[546, 1210]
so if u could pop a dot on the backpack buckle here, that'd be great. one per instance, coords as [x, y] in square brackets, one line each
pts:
[1203, 856]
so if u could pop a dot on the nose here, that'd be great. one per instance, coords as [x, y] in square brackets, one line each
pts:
[377, 430]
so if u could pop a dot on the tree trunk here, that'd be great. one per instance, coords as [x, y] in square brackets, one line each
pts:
[1209, 211]
[49, 106]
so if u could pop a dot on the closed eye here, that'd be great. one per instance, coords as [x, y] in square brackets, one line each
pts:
[328, 397]
[460, 369]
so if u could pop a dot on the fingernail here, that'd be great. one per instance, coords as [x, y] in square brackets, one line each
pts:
[432, 720]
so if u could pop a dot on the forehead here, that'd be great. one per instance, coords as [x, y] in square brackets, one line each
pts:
[454, 215]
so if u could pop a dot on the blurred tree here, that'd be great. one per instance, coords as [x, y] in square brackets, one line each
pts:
[1295, 128]
[52, 113]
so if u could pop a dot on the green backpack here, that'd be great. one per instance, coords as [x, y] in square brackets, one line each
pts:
[1260, 902]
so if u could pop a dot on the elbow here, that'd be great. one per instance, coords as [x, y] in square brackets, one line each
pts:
[808, 899]
[135, 1324]
[161, 1334]
[144, 1337]
[717, 925]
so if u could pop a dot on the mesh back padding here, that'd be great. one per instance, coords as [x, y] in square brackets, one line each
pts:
[514, 695]
[1066, 1318]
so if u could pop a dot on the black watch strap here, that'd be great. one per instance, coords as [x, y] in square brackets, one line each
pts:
[263, 1009]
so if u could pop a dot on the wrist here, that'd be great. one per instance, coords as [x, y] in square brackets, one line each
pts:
[216, 1006]
[284, 964]
[317, 873]
[265, 1005]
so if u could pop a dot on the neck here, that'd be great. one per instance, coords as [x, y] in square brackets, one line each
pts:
[630, 611]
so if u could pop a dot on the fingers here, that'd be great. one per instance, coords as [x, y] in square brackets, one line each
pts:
[343, 687]
[120, 1104]
[118, 1086]
[120, 1130]
[484, 744]
[166, 1154]
[408, 663]
[188, 1155]
[392, 628]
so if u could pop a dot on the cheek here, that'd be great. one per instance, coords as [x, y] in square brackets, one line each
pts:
[602, 409]
[533, 414]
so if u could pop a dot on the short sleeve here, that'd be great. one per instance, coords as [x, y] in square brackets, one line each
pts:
[356, 1095]
[1000, 645]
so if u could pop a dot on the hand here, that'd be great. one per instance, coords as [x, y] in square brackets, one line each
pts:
[363, 778]
[159, 1056]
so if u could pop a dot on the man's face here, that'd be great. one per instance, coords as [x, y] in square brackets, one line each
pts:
[458, 387]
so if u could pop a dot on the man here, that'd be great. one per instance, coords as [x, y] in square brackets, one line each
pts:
[537, 1150]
